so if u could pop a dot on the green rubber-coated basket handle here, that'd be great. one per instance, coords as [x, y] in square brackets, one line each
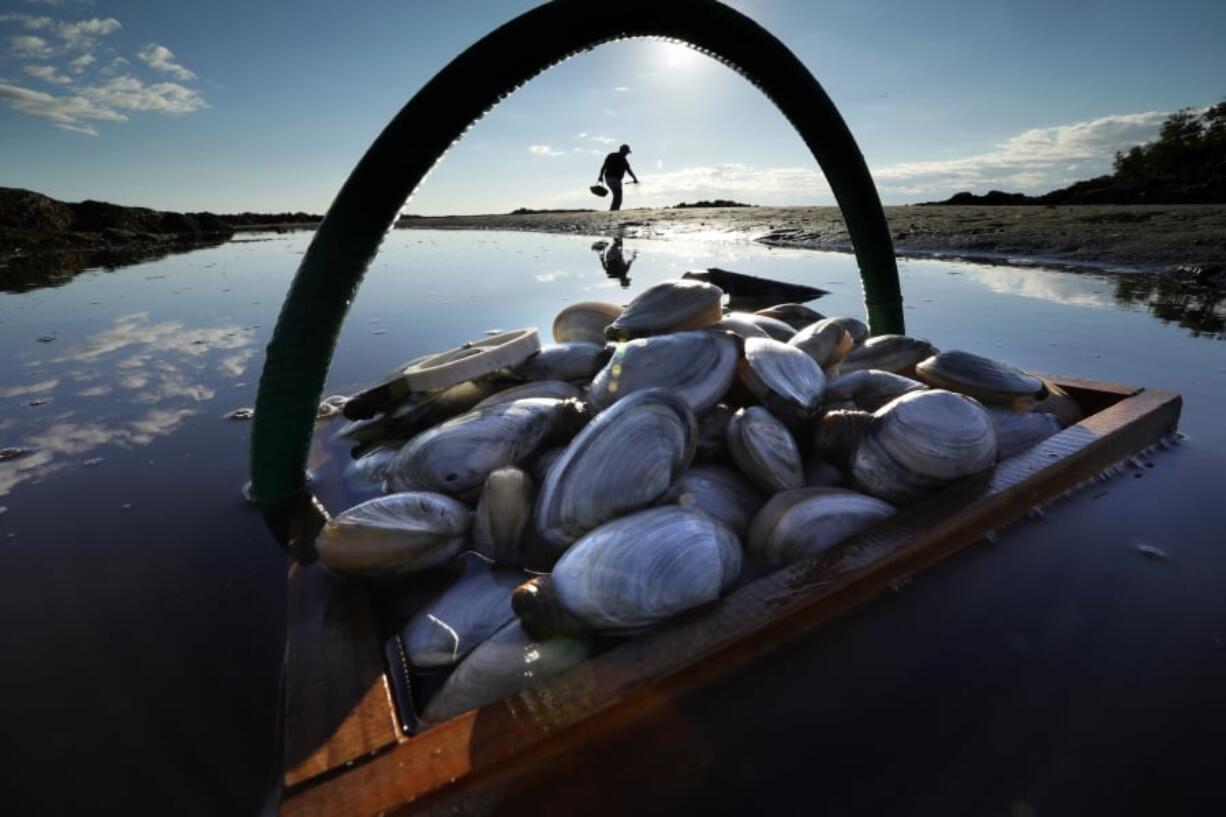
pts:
[302, 344]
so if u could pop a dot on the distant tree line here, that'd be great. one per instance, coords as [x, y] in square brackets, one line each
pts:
[1186, 164]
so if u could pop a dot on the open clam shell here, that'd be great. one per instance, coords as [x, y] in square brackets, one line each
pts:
[888, 353]
[456, 457]
[503, 512]
[719, 491]
[764, 451]
[393, 535]
[633, 572]
[805, 522]
[507, 662]
[923, 441]
[443, 625]
[869, 389]
[699, 366]
[625, 459]
[983, 378]
[784, 378]
[670, 306]
[585, 321]
[826, 341]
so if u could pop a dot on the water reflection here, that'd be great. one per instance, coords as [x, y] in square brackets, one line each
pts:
[613, 259]
[55, 268]
[151, 374]
[1200, 310]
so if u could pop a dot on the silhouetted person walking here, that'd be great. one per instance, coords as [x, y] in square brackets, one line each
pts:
[613, 261]
[611, 172]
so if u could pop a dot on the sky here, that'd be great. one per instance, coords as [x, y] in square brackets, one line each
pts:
[233, 106]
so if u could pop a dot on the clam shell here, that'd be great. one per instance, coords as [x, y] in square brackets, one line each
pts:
[803, 523]
[869, 389]
[564, 361]
[442, 625]
[670, 306]
[625, 459]
[417, 412]
[889, 353]
[1017, 431]
[987, 380]
[395, 534]
[821, 474]
[585, 321]
[826, 341]
[633, 572]
[764, 451]
[507, 662]
[699, 366]
[556, 389]
[538, 467]
[719, 491]
[797, 316]
[457, 456]
[838, 434]
[738, 324]
[783, 377]
[855, 327]
[1057, 402]
[370, 468]
[923, 441]
[503, 512]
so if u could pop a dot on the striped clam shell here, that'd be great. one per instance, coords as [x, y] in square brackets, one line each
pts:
[805, 522]
[392, 535]
[699, 366]
[670, 306]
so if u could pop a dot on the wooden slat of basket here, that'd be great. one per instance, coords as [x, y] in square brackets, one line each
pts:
[475, 754]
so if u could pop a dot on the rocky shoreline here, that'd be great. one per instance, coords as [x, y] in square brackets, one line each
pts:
[1181, 242]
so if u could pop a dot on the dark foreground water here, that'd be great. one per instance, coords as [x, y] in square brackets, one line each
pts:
[1059, 670]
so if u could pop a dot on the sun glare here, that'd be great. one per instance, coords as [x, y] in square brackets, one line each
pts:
[678, 57]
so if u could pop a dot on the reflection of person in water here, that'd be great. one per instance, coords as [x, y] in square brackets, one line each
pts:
[611, 172]
[614, 261]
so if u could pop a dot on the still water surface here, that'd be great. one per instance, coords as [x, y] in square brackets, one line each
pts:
[1058, 670]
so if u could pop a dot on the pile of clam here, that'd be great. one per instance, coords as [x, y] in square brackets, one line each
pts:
[644, 465]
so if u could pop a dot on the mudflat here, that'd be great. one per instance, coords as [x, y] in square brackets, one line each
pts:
[1181, 241]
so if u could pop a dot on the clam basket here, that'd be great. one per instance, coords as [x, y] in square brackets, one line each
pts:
[657, 574]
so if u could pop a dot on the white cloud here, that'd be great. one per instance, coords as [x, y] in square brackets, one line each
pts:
[81, 63]
[545, 150]
[86, 130]
[27, 46]
[82, 34]
[161, 58]
[622, 88]
[603, 140]
[48, 73]
[63, 110]
[131, 94]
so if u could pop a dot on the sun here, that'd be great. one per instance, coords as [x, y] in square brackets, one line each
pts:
[678, 57]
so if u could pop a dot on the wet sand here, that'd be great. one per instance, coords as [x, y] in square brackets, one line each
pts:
[1183, 241]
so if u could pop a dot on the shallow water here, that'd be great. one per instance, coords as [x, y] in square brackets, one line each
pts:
[1061, 669]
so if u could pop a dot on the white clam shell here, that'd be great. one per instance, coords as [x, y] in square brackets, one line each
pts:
[555, 389]
[826, 341]
[922, 441]
[889, 353]
[669, 306]
[457, 456]
[980, 377]
[869, 389]
[625, 459]
[1017, 431]
[585, 321]
[394, 534]
[507, 662]
[564, 361]
[699, 366]
[764, 450]
[443, 625]
[783, 377]
[719, 491]
[802, 523]
[503, 512]
[640, 569]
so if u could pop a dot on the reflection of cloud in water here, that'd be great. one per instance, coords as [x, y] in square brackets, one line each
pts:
[68, 439]
[1045, 285]
[167, 336]
[33, 388]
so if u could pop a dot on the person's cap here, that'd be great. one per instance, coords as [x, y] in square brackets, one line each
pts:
[625, 148]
